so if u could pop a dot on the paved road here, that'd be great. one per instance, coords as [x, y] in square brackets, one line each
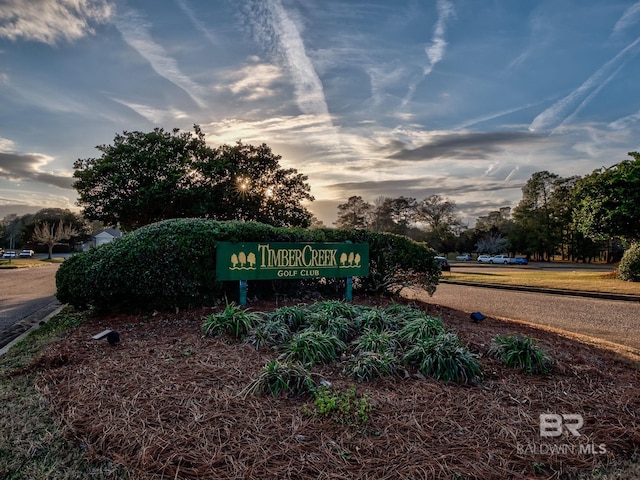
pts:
[27, 295]
[611, 320]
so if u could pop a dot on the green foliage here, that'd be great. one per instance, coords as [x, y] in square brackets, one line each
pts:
[379, 319]
[608, 201]
[292, 316]
[147, 177]
[522, 353]
[376, 341]
[343, 328]
[334, 308]
[346, 408]
[280, 378]
[234, 320]
[629, 267]
[311, 347]
[269, 333]
[420, 328]
[444, 358]
[172, 264]
[368, 366]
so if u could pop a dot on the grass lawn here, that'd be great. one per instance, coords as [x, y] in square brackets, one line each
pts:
[582, 280]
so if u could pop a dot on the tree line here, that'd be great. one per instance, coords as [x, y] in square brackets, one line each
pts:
[145, 177]
[575, 217]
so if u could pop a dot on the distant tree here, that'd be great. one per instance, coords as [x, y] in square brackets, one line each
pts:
[395, 215]
[13, 227]
[355, 213]
[492, 244]
[438, 213]
[51, 235]
[535, 217]
[53, 216]
[146, 177]
[608, 201]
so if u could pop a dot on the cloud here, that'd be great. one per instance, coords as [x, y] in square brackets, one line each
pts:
[202, 28]
[17, 167]
[435, 51]
[135, 32]
[49, 21]
[563, 110]
[474, 146]
[253, 82]
[628, 18]
[279, 34]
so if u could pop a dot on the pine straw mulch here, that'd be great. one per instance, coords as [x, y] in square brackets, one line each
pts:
[166, 403]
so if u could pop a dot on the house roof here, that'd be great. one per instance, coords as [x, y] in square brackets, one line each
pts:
[112, 232]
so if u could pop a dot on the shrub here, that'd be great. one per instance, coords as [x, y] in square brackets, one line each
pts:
[421, 327]
[368, 366]
[444, 358]
[378, 319]
[234, 320]
[172, 264]
[310, 347]
[629, 267]
[269, 333]
[522, 353]
[343, 407]
[376, 341]
[277, 378]
[292, 316]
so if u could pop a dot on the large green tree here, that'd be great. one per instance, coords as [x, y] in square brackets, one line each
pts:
[146, 177]
[608, 201]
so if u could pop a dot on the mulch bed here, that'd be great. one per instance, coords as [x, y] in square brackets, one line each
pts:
[166, 403]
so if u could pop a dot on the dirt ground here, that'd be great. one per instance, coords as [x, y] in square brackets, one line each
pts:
[166, 402]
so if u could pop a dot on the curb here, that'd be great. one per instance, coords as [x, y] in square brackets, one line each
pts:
[553, 291]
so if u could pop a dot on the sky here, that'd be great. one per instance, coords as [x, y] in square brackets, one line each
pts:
[465, 99]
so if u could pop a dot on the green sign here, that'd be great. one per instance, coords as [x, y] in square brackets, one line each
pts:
[280, 260]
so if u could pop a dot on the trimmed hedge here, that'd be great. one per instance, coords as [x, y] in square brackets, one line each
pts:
[629, 267]
[172, 264]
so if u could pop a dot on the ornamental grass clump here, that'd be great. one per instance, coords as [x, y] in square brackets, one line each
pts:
[269, 333]
[334, 308]
[376, 341]
[522, 353]
[379, 319]
[281, 378]
[444, 358]
[234, 320]
[343, 328]
[368, 366]
[419, 328]
[311, 347]
[294, 316]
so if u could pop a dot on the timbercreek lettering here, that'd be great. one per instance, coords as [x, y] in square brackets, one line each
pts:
[296, 257]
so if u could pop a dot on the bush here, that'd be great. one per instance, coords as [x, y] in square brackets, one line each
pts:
[234, 320]
[629, 268]
[172, 264]
[278, 378]
[522, 353]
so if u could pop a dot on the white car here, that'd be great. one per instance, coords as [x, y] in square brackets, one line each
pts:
[465, 257]
[9, 254]
[27, 253]
[484, 258]
[500, 259]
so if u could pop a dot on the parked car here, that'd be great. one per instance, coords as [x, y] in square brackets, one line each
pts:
[520, 261]
[500, 259]
[465, 257]
[9, 254]
[27, 253]
[444, 264]
[484, 258]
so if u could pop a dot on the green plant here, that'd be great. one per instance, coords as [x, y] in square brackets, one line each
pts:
[376, 341]
[629, 267]
[311, 347]
[378, 319]
[269, 333]
[346, 408]
[420, 327]
[292, 316]
[334, 308]
[343, 328]
[279, 378]
[367, 366]
[233, 320]
[521, 352]
[444, 358]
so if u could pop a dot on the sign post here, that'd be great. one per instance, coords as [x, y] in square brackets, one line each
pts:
[287, 260]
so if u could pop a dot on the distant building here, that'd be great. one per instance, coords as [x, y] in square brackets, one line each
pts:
[102, 237]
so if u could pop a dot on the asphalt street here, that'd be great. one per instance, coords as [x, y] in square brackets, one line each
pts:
[614, 321]
[27, 296]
